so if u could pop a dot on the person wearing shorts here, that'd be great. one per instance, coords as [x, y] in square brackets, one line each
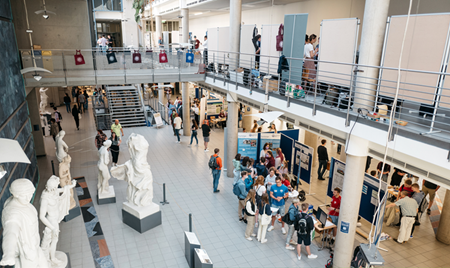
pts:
[334, 210]
[429, 188]
[278, 193]
[206, 130]
[304, 238]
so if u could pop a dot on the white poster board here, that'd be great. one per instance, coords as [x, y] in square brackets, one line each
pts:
[158, 119]
[246, 61]
[213, 43]
[338, 39]
[224, 45]
[269, 34]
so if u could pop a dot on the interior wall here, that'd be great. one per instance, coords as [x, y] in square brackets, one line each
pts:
[68, 29]
[400, 7]
[317, 11]
[14, 114]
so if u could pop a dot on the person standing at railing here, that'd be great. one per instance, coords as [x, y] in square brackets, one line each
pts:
[160, 43]
[309, 70]
[205, 50]
[257, 44]
[110, 41]
[197, 43]
[102, 43]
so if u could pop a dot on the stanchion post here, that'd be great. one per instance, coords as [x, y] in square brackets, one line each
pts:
[53, 168]
[190, 222]
[164, 195]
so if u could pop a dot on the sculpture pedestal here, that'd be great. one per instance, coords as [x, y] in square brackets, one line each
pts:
[63, 258]
[73, 213]
[141, 219]
[106, 198]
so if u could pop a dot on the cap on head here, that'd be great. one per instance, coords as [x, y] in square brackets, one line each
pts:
[21, 187]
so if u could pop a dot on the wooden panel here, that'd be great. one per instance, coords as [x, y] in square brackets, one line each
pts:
[337, 43]
[423, 50]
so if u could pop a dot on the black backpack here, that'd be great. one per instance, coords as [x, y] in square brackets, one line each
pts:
[302, 225]
[59, 115]
[213, 162]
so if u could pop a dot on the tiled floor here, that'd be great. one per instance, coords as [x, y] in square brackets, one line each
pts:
[189, 190]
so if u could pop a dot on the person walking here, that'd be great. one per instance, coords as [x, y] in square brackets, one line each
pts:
[266, 214]
[58, 117]
[117, 128]
[81, 100]
[278, 193]
[196, 113]
[241, 193]
[323, 159]
[86, 100]
[409, 208]
[54, 129]
[292, 217]
[67, 102]
[215, 163]
[304, 226]
[76, 116]
[194, 129]
[206, 130]
[177, 125]
[115, 143]
[250, 211]
[100, 138]
[429, 188]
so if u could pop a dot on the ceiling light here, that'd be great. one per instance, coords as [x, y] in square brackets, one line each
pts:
[37, 77]
[199, 13]
[45, 16]
[45, 13]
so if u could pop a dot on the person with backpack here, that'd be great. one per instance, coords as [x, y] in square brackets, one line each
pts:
[250, 211]
[58, 117]
[419, 196]
[241, 193]
[278, 192]
[290, 218]
[304, 226]
[266, 214]
[237, 168]
[215, 164]
[260, 190]
[261, 169]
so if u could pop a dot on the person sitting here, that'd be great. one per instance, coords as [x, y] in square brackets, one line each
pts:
[223, 115]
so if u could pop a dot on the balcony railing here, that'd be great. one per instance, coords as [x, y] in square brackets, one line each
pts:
[344, 88]
[97, 71]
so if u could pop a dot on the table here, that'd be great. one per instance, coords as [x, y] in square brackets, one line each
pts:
[393, 192]
[215, 121]
[325, 231]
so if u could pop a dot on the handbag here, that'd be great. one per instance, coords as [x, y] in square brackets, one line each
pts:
[79, 116]
[265, 219]
[136, 57]
[162, 56]
[79, 59]
[279, 44]
[189, 57]
[111, 57]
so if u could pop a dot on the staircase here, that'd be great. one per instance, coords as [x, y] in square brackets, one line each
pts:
[125, 105]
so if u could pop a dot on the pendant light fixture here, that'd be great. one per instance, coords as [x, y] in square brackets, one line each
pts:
[45, 12]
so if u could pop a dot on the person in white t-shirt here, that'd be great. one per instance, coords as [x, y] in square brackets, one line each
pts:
[102, 42]
[177, 123]
[309, 54]
[260, 190]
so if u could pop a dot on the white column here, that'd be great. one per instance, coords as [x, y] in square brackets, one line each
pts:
[161, 93]
[232, 134]
[372, 38]
[235, 33]
[158, 29]
[443, 232]
[351, 198]
[184, 25]
[186, 109]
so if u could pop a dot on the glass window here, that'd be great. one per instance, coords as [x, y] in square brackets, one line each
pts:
[107, 5]
[98, 5]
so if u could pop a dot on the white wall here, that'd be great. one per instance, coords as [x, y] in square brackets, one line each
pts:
[130, 30]
[318, 10]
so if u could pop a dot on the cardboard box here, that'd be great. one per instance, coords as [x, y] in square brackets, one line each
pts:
[237, 77]
[272, 84]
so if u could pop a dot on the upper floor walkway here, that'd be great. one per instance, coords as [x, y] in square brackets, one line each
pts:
[315, 97]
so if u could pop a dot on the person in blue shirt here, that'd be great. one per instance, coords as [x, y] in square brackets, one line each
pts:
[293, 217]
[278, 193]
[242, 195]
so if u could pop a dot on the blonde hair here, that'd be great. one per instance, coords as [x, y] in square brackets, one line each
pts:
[251, 196]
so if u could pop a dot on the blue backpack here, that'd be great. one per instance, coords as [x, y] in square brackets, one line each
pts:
[236, 189]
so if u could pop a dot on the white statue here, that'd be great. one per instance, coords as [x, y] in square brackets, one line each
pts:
[66, 178]
[103, 172]
[136, 172]
[61, 146]
[44, 100]
[55, 204]
[21, 229]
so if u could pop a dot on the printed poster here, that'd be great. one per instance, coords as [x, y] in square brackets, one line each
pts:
[272, 139]
[338, 175]
[247, 144]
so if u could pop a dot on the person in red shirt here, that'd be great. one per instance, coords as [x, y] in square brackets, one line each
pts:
[216, 172]
[334, 209]
[407, 186]
[285, 180]
[197, 42]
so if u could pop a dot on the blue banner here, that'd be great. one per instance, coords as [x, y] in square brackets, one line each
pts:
[247, 145]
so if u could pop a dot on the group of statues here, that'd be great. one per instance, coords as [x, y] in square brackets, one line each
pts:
[22, 246]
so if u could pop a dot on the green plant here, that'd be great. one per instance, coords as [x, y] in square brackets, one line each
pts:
[139, 6]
